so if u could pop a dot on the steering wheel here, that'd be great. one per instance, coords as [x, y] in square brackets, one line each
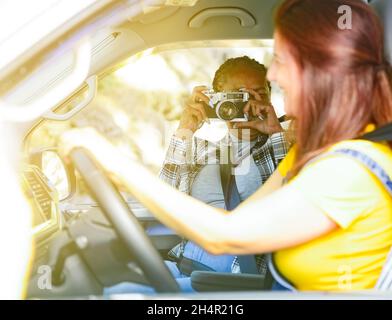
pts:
[124, 222]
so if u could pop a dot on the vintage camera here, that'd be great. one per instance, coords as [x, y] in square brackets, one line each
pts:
[227, 106]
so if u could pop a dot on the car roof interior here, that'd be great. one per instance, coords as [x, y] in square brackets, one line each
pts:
[207, 20]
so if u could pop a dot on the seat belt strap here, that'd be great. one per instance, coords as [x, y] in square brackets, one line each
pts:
[381, 134]
[232, 198]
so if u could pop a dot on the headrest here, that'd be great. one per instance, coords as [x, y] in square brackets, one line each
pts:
[384, 10]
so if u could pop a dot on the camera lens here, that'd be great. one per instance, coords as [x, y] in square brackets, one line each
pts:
[227, 111]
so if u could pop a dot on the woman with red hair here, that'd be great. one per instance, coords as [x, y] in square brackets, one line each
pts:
[324, 213]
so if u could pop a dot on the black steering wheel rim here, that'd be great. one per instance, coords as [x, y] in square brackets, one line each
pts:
[124, 222]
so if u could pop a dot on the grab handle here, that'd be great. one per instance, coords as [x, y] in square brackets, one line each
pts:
[246, 19]
[92, 90]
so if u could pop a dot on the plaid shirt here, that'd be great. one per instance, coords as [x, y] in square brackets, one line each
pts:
[185, 159]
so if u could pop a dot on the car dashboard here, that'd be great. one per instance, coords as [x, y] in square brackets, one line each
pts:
[60, 227]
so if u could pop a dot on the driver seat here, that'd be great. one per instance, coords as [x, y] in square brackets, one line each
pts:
[203, 281]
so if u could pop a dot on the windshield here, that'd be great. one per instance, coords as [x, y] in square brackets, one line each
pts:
[138, 106]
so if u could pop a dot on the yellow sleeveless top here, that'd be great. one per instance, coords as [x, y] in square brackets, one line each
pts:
[352, 257]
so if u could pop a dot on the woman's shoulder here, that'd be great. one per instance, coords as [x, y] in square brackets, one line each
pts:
[379, 152]
[333, 161]
[341, 185]
[364, 145]
[350, 170]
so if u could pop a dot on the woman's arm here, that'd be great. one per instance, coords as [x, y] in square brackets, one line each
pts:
[272, 219]
[282, 219]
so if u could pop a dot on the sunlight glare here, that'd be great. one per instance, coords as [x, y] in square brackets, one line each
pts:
[150, 73]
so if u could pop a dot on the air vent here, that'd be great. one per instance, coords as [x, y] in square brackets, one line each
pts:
[40, 196]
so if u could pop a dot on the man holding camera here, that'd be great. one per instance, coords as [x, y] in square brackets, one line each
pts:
[227, 172]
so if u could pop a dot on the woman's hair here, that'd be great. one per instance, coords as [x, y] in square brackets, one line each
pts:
[345, 79]
[233, 64]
